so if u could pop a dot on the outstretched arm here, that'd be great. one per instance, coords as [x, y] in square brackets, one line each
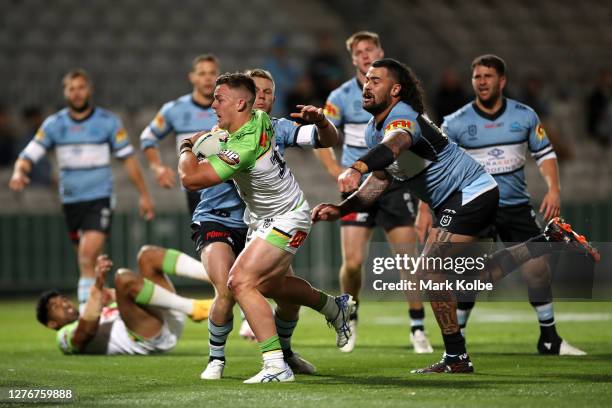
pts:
[326, 131]
[19, 179]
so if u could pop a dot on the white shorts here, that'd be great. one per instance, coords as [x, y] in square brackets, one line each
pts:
[122, 341]
[286, 231]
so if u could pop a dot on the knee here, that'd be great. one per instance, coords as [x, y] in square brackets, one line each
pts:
[352, 264]
[238, 282]
[126, 281]
[148, 256]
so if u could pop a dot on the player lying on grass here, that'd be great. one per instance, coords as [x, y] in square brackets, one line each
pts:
[142, 315]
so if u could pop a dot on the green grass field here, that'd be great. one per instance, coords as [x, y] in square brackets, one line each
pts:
[508, 372]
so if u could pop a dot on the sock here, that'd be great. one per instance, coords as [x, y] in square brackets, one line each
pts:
[327, 306]
[83, 289]
[464, 309]
[154, 295]
[217, 336]
[546, 318]
[180, 264]
[355, 314]
[538, 246]
[285, 331]
[272, 353]
[417, 319]
[454, 344]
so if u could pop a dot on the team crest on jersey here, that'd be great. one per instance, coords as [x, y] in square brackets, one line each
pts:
[121, 135]
[445, 220]
[40, 135]
[399, 124]
[229, 156]
[472, 130]
[516, 127]
[540, 132]
[332, 111]
[497, 153]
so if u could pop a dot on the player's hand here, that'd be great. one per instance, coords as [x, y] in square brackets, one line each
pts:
[325, 212]
[551, 205]
[103, 265]
[335, 171]
[147, 210]
[108, 296]
[165, 176]
[309, 113]
[423, 224]
[348, 180]
[19, 180]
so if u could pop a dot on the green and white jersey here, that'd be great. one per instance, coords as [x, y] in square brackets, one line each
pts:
[249, 156]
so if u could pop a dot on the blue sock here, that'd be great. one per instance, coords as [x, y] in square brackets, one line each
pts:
[217, 336]
[83, 289]
[417, 319]
[546, 318]
[285, 331]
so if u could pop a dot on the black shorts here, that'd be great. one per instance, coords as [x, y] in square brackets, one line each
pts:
[207, 232]
[193, 199]
[396, 207]
[515, 224]
[475, 218]
[93, 215]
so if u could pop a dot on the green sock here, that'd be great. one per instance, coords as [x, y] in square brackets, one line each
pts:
[271, 344]
[146, 293]
[169, 262]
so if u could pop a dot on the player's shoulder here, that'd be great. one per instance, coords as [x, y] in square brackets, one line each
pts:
[56, 118]
[516, 107]
[402, 116]
[345, 89]
[101, 113]
[179, 103]
[459, 114]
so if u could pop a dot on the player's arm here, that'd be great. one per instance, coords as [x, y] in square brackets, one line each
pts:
[327, 134]
[551, 204]
[424, 221]
[159, 128]
[88, 322]
[195, 175]
[364, 197]
[165, 176]
[328, 159]
[19, 178]
[378, 158]
[146, 202]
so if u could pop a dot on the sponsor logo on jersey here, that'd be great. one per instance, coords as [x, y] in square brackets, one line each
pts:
[331, 110]
[540, 132]
[497, 153]
[263, 139]
[399, 124]
[159, 121]
[121, 135]
[472, 130]
[229, 156]
[40, 135]
[494, 125]
[516, 127]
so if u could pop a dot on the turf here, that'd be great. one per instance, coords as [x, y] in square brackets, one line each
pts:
[508, 372]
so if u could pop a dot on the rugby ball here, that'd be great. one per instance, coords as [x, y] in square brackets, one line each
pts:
[209, 143]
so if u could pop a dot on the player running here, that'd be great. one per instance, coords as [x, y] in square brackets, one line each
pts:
[462, 194]
[84, 136]
[396, 211]
[278, 218]
[496, 131]
[142, 315]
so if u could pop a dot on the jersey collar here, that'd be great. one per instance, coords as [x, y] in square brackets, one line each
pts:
[199, 105]
[93, 110]
[488, 116]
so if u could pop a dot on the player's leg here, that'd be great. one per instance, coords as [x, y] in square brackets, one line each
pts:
[355, 236]
[171, 262]
[286, 317]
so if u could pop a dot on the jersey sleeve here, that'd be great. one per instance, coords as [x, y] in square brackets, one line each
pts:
[64, 338]
[159, 128]
[449, 131]
[119, 140]
[237, 155]
[290, 134]
[333, 108]
[402, 122]
[540, 147]
[42, 142]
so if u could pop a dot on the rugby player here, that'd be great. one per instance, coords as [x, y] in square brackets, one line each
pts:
[395, 212]
[84, 136]
[184, 116]
[497, 131]
[278, 218]
[142, 315]
[462, 194]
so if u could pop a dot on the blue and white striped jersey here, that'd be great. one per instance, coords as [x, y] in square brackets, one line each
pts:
[500, 144]
[83, 149]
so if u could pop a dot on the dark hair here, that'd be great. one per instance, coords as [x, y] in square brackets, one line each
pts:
[490, 61]
[238, 80]
[412, 92]
[42, 310]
